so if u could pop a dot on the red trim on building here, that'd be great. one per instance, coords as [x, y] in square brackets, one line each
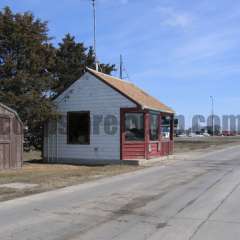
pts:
[145, 149]
[146, 128]
[130, 149]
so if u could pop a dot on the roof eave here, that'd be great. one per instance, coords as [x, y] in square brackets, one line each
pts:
[89, 70]
[158, 109]
[12, 111]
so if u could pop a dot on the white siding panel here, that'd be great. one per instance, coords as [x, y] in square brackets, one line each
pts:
[88, 94]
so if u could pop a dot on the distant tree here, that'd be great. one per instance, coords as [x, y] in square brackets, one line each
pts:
[71, 60]
[32, 70]
[26, 60]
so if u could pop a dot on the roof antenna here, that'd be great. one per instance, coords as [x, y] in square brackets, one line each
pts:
[123, 70]
[94, 33]
[121, 67]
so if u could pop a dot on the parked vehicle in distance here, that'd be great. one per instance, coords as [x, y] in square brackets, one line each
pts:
[182, 135]
[206, 134]
[229, 133]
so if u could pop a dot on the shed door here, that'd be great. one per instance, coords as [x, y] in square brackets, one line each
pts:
[4, 142]
[4, 155]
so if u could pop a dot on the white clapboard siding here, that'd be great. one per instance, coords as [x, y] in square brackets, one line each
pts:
[86, 94]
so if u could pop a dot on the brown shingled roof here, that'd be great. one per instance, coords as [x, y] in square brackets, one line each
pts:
[132, 92]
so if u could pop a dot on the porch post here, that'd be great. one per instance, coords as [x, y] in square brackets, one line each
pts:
[171, 135]
[122, 131]
[160, 133]
[171, 127]
[159, 127]
[146, 131]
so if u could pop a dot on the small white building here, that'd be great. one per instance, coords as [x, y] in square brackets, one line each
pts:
[105, 120]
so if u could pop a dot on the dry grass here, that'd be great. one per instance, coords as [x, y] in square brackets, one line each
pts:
[200, 143]
[53, 176]
[32, 155]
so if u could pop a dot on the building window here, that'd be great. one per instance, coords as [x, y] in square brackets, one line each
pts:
[165, 127]
[4, 128]
[153, 127]
[134, 127]
[78, 127]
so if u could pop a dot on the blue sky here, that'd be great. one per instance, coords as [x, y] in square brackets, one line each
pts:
[180, 51]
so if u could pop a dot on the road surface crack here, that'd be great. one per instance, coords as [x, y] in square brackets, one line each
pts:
[213, 211]
[202, 193]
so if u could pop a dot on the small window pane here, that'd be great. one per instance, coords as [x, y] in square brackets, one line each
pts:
[134, 127]
[153, 127]
[165, 126]
[78, 128]
[4, 128]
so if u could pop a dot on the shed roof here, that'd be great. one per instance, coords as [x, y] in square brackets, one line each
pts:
[12, 111]
[132, 92]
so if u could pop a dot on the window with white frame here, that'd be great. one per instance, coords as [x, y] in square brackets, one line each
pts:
[165, 127]
[134, 127]
[153, 127]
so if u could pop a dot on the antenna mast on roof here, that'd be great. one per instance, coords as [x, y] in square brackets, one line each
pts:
[94, 33]
[121, 67]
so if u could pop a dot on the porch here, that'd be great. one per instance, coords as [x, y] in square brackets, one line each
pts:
[146, 134]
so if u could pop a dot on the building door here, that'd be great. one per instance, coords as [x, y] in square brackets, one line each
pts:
[132, 134]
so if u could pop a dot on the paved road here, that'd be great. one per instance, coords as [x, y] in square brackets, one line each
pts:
[192, 199]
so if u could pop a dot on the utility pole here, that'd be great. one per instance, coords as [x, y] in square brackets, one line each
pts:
[212, 100]
[121, 67]
[94, 33]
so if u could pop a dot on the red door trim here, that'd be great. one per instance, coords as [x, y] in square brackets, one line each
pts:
[122, 126]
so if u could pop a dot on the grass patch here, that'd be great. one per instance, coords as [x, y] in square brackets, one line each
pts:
[182, 145]
[53, 176]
